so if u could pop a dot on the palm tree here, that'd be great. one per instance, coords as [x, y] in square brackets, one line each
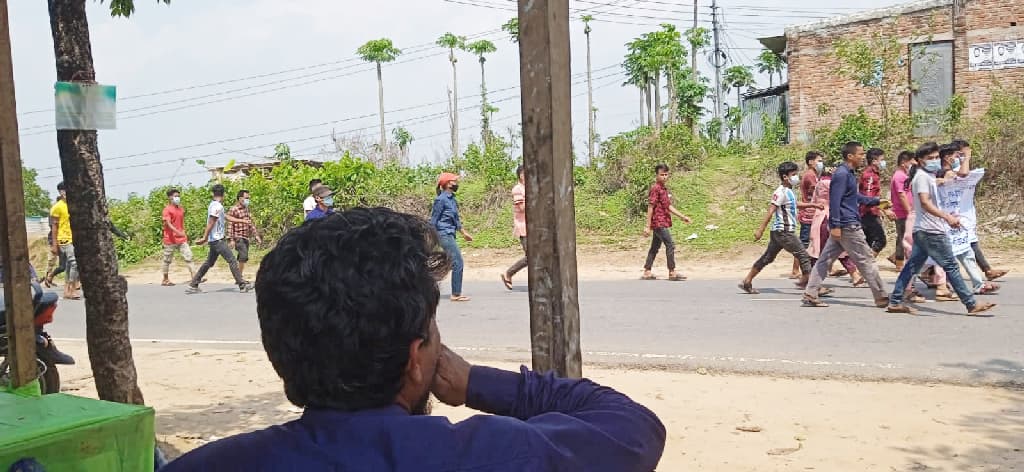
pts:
[512, 28]
[481, 48]
[106, 305]
[379, 51]
[590, 93]
[770, 63]
[452, 42]
[736, 78]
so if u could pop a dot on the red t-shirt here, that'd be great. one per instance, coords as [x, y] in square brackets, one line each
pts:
[176, 215]
[870, 186]
[807, 184]
[659, 200]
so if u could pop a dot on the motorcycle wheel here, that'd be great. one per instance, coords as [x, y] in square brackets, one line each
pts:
[49, 382]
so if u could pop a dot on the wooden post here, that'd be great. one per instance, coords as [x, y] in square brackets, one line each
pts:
[548, 163]
[14, 249]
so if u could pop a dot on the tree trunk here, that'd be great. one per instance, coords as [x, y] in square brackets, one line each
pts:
[106, 308]
[484, 122]
[672, 106]
[771, 79]
[590, 109]
[380, 101]
[643, 98]
[455, 106]
[650, 110]
[657, 101]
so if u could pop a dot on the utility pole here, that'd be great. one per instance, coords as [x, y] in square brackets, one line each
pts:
[14, 248]
[550, 213]
[717, 62]
[590, 102]
[693, 50]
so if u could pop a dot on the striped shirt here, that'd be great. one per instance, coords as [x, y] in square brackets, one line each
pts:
[785, 209]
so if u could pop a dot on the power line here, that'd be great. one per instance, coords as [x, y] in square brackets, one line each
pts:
[410, 49]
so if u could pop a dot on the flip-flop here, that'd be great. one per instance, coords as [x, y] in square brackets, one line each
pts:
[996, 274]
[677, 278]
[648, 277]
[825, 292]
[505, 279]
[460, 298]
[748, 289]
[167, 284]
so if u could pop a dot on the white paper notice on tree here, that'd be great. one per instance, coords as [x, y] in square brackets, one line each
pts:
[82, 106]
[957, 197]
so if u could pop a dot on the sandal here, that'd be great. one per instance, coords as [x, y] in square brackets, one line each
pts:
[167, 283]
[838, 273]
[946, 297]
[505, 279]
[906, 310]
[813, 303]
[677, 278]
[995, 274]
[825, 292]
[860, 282]
[988, 289]
[748, 288]
[980, 309]
[460, 298]
[649, 277]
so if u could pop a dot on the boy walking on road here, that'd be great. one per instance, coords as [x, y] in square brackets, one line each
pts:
[659, 221]
[518, 226]
[214, 234]
[242, 233]
[175, 238]
[846, 234]
[782, 213]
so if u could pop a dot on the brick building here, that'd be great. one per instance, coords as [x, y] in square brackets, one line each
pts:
[972, 46]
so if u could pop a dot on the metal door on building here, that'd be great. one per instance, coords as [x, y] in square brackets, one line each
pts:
[931, 75]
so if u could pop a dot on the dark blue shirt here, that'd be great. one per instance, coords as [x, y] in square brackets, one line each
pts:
[844, 199]
[317, 213]
[538, 423]
[445, 215]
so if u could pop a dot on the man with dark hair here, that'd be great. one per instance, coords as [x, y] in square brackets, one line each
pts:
[310, 202]
[63, 243]
[518, 226]
[901, 204]
[175, 238]
[814, 165]
[871, 186]
[931, 238]
[347, 309]
[241, 233]
[963, 170]
[782, 213]
[846, 234]
[215, 234]
[659, 221]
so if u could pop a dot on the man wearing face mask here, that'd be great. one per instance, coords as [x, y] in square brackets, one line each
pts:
[814, 165]
[357, 345]
[871, 186]
[175, 238]
[214, 235]
[242, 229]
[930, 236]
[323, 196]
[445, 218]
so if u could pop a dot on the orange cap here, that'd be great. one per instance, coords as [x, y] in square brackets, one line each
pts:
[445, 178]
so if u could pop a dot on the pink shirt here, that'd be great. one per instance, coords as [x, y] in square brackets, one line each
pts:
[897, 188]
[519, 211]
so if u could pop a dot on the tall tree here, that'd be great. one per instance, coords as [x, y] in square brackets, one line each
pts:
[737, 78]
[481, 48]
[512, 28]
[591, 132]
[451, 42]
[402, 139]
[670, 58]
[37, 200]
[640, 74]
[770, 63]
[698, 38]
[106, 305]
[379, 51]
[691, 90]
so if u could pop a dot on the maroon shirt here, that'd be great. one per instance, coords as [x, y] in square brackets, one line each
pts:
[659, 200]
[870, 186]
[807, 184]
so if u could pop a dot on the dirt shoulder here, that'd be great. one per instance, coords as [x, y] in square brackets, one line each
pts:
[201, 394]
[595, 263]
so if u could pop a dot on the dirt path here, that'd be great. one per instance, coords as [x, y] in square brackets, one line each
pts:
[202, 394]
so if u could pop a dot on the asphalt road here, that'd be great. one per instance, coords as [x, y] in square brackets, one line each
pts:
[661, 324]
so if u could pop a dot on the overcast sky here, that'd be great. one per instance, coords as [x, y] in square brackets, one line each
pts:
[189, 45]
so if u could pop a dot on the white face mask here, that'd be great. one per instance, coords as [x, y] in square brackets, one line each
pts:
[820, 166]
[794, 179]
[881, 165]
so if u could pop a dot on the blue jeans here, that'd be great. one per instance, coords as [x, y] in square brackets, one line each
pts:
[938, 248]
[805, 234]
[451, 247]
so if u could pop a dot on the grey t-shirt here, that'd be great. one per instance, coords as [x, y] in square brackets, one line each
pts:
[925, 183]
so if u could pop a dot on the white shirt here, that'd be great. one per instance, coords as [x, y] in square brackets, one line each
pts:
[216, 210]
[308, 204]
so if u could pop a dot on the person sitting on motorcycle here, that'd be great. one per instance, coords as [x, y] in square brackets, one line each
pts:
[46, 349]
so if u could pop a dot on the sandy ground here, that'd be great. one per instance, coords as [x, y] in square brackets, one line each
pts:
[594, 264]
[203, 393]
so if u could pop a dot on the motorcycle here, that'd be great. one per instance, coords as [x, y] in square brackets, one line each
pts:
[48, 357]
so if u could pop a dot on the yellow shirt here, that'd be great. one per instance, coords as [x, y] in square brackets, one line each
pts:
[60, 212]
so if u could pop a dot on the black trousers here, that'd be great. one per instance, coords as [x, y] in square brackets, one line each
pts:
[662, 236]
[901, 232]
[873, 232]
